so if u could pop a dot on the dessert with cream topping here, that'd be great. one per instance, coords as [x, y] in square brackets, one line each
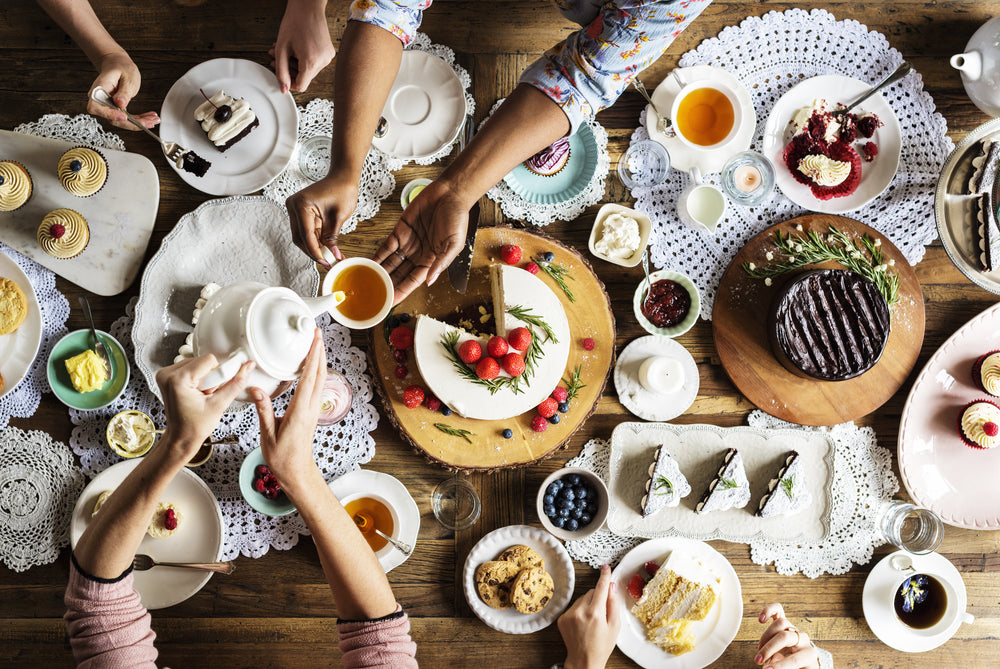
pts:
[551, 159]
[15, 185]
[225, 119]
[335, 401]
[82, 171]
[63, 233]
[730, 488]
[130, 433]
[666, 485]
[979, 424]
[985, 186]
[166, 519]
[788, 492]
[986, 373]
[619, 238]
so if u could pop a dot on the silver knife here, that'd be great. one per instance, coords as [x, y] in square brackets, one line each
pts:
[458, 270]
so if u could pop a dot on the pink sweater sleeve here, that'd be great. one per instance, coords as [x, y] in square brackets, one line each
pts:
[382, 643]
[108, 625]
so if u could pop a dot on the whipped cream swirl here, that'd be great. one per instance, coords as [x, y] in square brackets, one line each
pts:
[989, 374]
[974, 421]
[15, 186]
[82, 171]
[221, 133]
[825, 171]
[63, 233]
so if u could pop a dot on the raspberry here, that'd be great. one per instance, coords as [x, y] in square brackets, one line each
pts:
[497, 347]
[635, 586]
[560, 394]
[259, 486]
[991, 429]
[170, 520]
[539, 424]
[401, 371]
[510, 254]
[57, 230]
[262, 470]
[433, 403]
[651, 568]
[413, 397]
[487, 369]
[470, 351]
[513, 364]
[870, 150]
[531, 268]
[271, 493]
[401, 338]
[519, 338]
[588, 344]
[399, 356]
[548, 408]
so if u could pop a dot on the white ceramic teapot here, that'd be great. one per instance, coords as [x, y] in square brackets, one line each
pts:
[980, 66]
[273, 327]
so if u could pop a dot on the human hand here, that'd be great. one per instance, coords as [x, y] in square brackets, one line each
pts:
[317, 213]
[428, 236]
[192, 413]
[782, 645]
[287, 442]
[303, 47]
[120, 78]
[590, 627]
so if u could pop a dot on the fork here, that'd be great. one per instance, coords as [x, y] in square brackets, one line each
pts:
[99, 347]
[143, 562]
[173, 151]
[662, 122]
[898, 74]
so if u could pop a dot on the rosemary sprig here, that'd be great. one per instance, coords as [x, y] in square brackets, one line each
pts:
[787, 484]
[727, 484]
[455, 431]
[558, 273]
[663, 482]
[574, 385]
[865, 259]
[527, 316]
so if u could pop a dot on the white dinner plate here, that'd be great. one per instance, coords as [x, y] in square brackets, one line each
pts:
[402, 504]
[557, 563]
[712, 635]
[644, 403]
[198, 537]
[255, 160]
[682, 156]
[425, 108]
[19, 348]
[875, 176]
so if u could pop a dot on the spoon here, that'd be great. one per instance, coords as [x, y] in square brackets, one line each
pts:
[99, 348]
[143, 562]
[645, 268]
[662, 122]
[404, 548]
[898, 74]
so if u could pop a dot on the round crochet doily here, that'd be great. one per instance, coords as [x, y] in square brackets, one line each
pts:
[337, 449]
[39, 486]
[770, 54]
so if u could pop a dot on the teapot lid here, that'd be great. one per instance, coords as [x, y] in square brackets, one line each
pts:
[279, 331]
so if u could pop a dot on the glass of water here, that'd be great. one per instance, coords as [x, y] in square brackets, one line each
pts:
[456, 503]
[910, 527]
[314, 157]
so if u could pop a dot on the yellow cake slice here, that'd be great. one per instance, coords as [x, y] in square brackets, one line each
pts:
[683, 591]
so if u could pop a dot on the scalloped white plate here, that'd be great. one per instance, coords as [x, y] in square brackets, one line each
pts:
[19, 348]
[644, 403]
[565, 184]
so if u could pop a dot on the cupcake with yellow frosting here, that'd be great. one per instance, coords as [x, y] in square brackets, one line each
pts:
[63, 233]
[979, 425]
[986, 373]
[82, 171]
[15, 185]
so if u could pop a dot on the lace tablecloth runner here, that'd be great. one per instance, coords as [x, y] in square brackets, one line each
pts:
[862, 480]
[770, 55]
[337, 449]
[39, 486]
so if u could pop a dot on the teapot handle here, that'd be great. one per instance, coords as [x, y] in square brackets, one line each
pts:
[226, 370]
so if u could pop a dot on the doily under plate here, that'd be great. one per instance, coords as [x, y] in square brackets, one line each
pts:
[770, 54]
[337, 449]
[862, 480]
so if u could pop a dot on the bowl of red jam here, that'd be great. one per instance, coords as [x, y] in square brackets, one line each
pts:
[668, 305]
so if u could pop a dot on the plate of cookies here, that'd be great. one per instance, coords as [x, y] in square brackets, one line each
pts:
[20, 325]
[518, 579]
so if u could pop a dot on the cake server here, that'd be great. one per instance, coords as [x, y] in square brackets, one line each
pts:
[458, 270]
[173, 151]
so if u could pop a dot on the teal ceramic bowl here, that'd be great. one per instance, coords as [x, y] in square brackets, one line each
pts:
[271, 507]
[693, 312]
[73, 344]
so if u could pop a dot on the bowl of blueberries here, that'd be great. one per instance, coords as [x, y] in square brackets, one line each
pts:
[572, 503]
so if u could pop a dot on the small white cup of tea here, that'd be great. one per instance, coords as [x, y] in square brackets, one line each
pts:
[367, 288]
[927, 603]
[701, 205]
[706, 114]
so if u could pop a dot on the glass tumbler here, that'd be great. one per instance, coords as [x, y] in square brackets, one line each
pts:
[456, 503]
[314, 157]
[645, 164]
[910, 527]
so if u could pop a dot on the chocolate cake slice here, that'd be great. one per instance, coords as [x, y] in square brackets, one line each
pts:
[730, 488]
[666, 485]
[829, 325]
[195, 164]
[989, 232]
[985, 167]
[787, 492]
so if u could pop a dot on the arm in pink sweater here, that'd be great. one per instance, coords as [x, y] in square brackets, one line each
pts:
[108, 625]
[381, 643]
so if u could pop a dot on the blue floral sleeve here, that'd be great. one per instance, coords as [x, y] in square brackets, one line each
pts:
[399, 17]
[592, 67]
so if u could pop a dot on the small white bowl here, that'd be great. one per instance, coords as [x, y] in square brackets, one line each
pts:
[693, 312]
[645, 226]
[602, 504]
[404, 197]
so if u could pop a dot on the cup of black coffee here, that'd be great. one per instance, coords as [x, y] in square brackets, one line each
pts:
[927, 603]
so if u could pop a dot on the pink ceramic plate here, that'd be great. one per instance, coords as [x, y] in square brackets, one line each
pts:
[939, 471]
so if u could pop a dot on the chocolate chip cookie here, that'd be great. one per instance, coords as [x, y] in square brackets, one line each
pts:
[532, 590]
[523, 556]
[493, 582]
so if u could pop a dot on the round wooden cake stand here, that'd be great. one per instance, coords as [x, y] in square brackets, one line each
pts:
[589, 316]
[739, 327]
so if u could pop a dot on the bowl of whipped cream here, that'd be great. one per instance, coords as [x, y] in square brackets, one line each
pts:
[620, 235]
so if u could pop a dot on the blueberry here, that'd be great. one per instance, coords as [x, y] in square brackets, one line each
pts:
[585, 519]
[404, 318]
[445, 410]
[508, 433]
[580, 503]
[548, 499]
[393, 322]
[563, 503]
[548, 256]
[563, 407]
[549, 511]
[572, 525]
[554, 418]
[75, 166]
[579, 492]
[568, 493]
[564, 513]
[576, 514]
[592, 508]
[1, 180]
[553, 488]
[559, 521]
[572, 479]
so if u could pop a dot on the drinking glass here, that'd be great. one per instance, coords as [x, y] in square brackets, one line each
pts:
[645, 164]
[314, 157]
[910, 527]
[456, 503]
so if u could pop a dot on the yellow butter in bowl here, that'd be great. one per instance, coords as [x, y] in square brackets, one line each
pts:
[86, 371]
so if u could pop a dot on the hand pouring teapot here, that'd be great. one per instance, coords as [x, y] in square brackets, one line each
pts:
[980, 66]
[273, 327]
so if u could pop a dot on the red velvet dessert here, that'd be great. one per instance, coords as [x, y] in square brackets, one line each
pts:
[979, 425]
[803, 146]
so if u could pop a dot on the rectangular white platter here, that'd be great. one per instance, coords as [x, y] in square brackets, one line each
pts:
[121, 215]
[699, 450]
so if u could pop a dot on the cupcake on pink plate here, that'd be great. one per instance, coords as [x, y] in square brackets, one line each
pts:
[986, 373]
[979, 425]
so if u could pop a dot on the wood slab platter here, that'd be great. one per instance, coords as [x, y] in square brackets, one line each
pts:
[739, 328]
[589, 316]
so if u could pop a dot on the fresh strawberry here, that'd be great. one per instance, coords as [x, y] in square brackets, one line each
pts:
[401, 371]
[513, 364]
[532, 268]
[635, 586]
[497, 346]
[589, 344]
[413, 397]
[548, 407]
[651, 567]
[470, 351]
[510, 254]
[539, 424]
[487, 369]
[433, 403]
[519, 338]
[401, 338]
[560, 394]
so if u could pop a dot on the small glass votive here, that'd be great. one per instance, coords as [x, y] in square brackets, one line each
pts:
[314, 157]
[910, 527]
[748, 178]
[456, 503]
[335, 401]
[645, 164]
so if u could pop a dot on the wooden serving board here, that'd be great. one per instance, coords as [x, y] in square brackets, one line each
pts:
[589, 316]
[739, 327]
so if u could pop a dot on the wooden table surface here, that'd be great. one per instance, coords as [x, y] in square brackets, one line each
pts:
[276, 611]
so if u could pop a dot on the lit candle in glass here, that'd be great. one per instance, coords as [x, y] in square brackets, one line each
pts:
[747, 178]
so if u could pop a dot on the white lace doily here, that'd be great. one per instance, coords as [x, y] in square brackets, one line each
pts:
[39, 486]
[79, 129]
[337, 449]
[770, 54]
[377, 182]
[862, 480]
[516, 207]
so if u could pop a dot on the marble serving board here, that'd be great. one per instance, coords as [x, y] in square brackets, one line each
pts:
[699, 449]
[121, 215]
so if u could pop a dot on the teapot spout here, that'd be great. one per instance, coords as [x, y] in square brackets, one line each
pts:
[971, 64]
[324, 303]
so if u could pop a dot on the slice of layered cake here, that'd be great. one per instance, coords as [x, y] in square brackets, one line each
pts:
[730, 488]
[225, 119]
[666, 485]
[984, 184]
[787, 493]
